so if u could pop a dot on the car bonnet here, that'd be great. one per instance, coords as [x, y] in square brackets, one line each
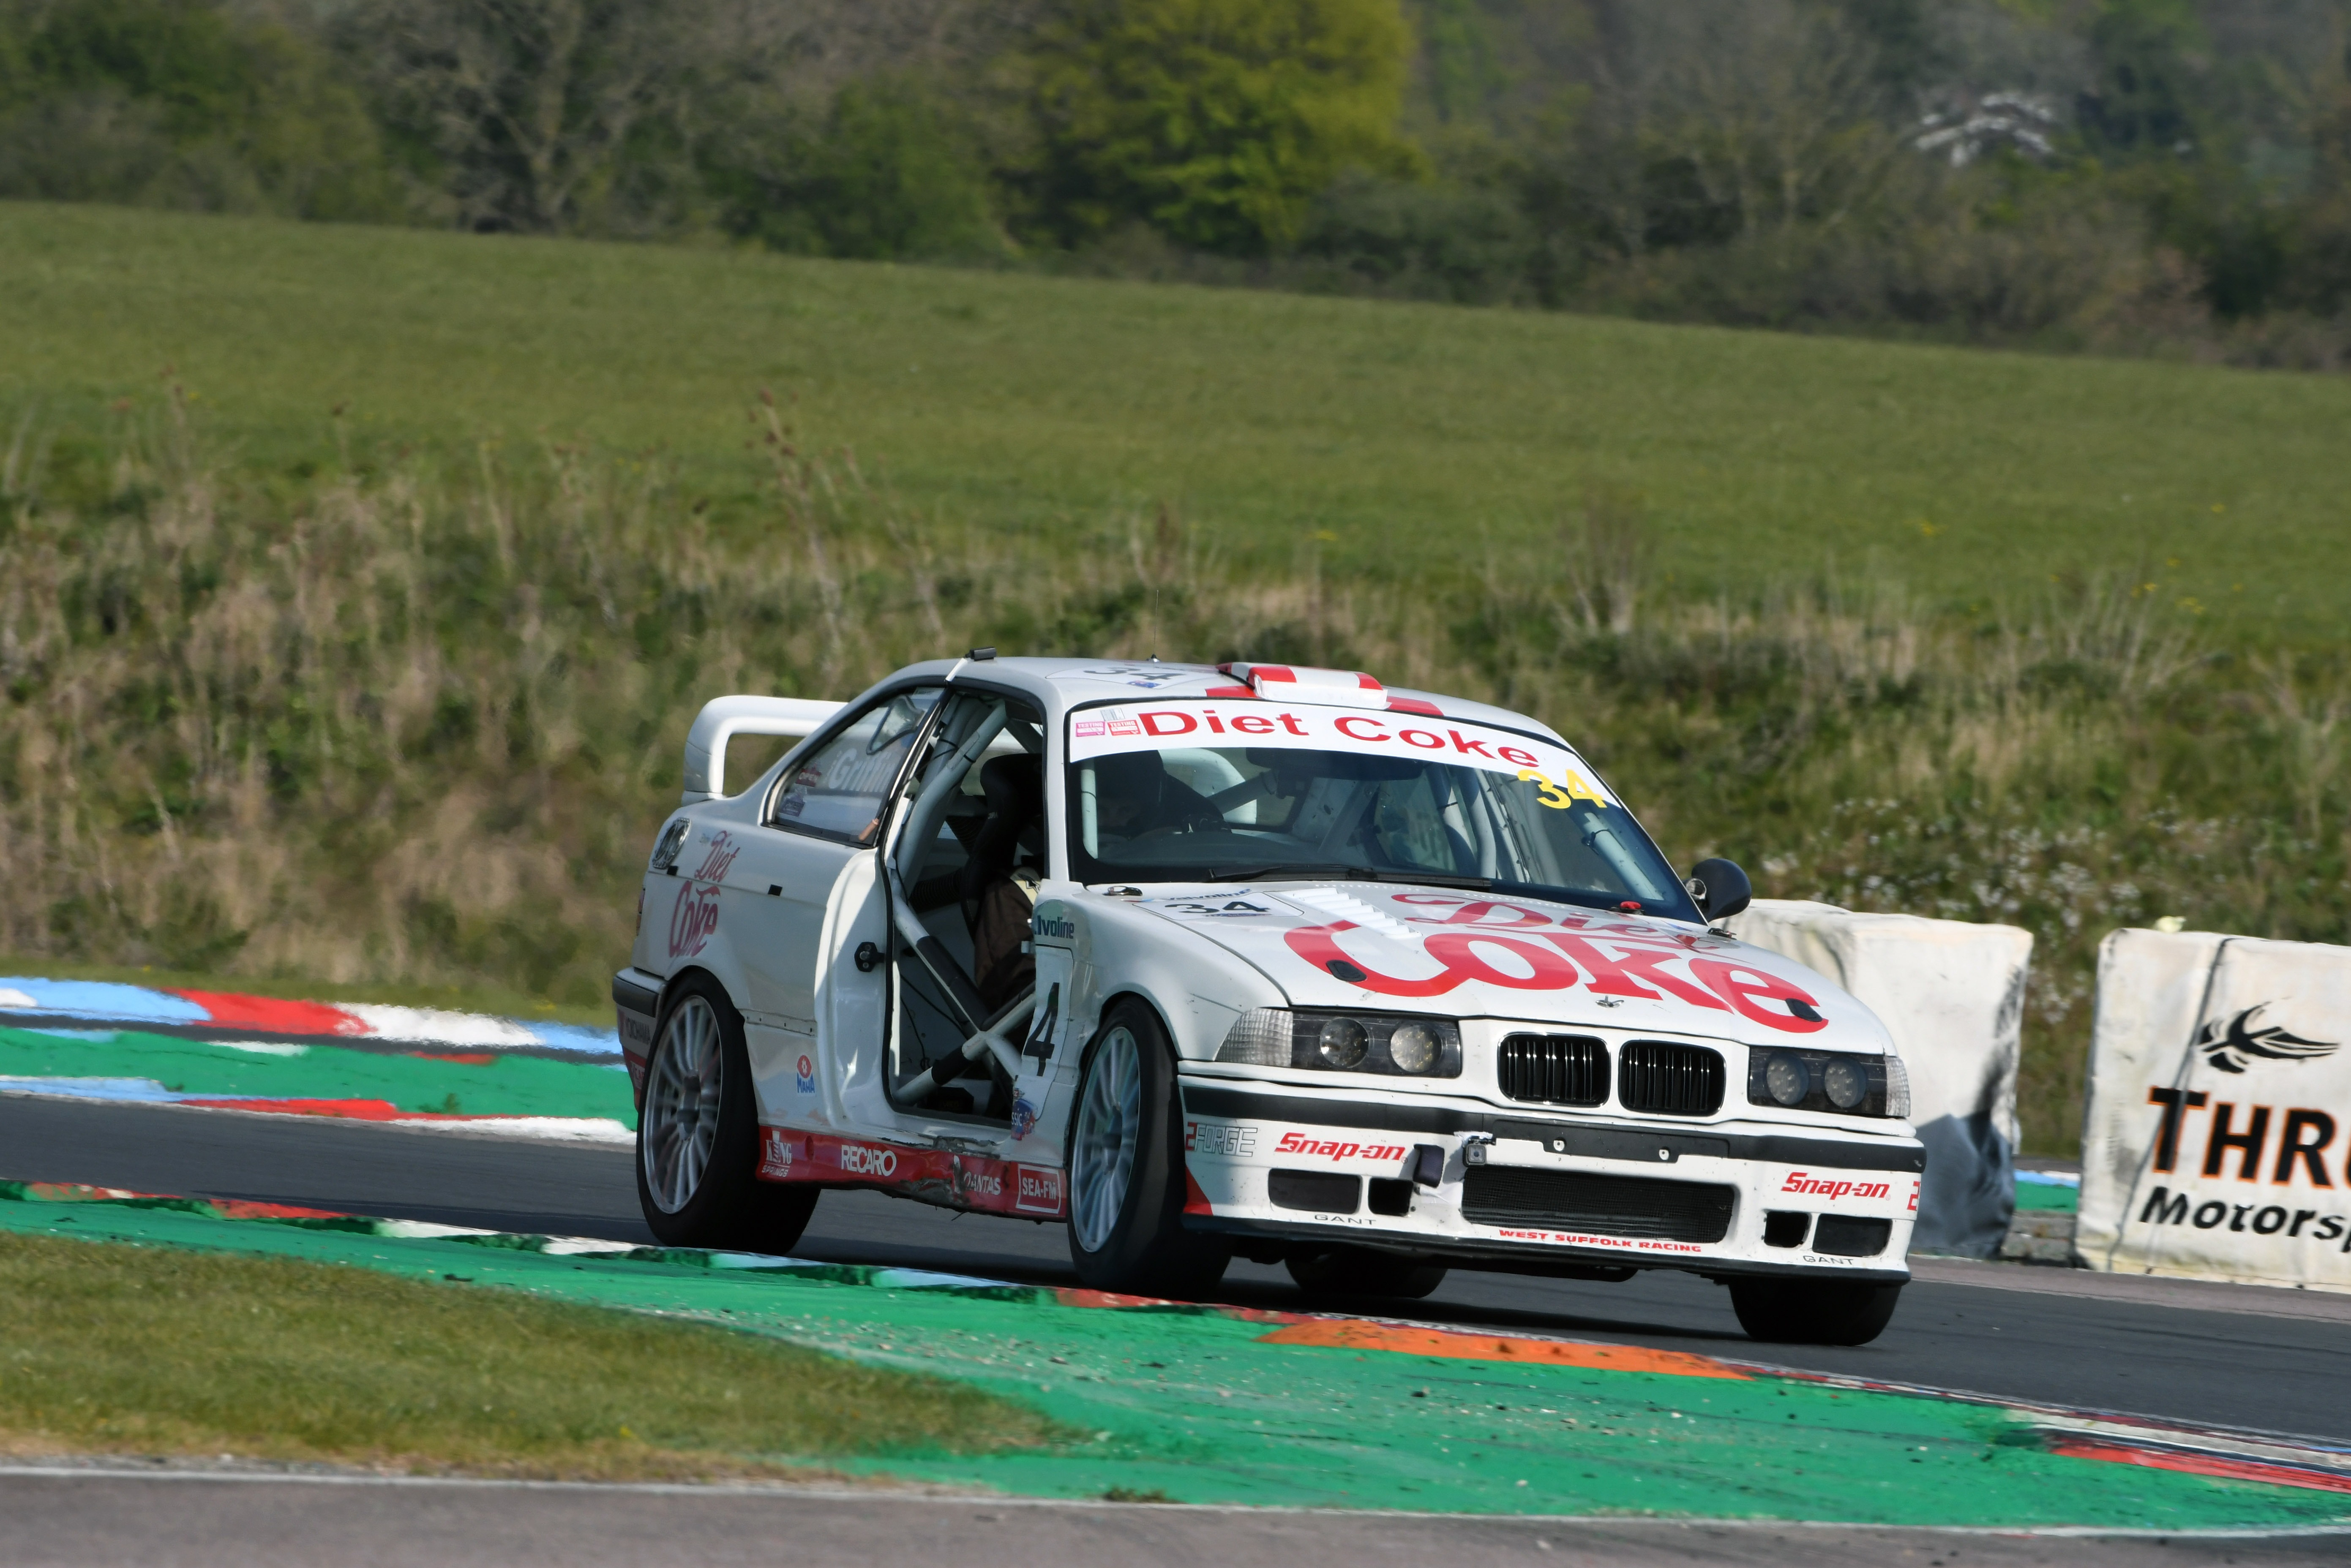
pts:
[1472, 955]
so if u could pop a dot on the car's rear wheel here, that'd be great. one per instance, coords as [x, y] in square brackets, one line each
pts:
[1814, 1311]
[698, 1133]
[1342, 1270]
[1126, 1168]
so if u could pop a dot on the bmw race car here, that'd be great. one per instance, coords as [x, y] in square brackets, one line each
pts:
[1246, 960]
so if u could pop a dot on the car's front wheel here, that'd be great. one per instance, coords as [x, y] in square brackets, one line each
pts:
[698, 1133]
[1126, 1168]
[1814, 1311]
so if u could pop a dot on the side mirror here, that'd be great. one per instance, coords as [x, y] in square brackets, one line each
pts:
[1720, 888]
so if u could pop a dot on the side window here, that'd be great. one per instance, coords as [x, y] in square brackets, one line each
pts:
[840, 790]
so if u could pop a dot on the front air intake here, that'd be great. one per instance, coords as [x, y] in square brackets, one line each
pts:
[1850, 1236]
[1553, 1069]
[1669, 1080]
[1642, 1207]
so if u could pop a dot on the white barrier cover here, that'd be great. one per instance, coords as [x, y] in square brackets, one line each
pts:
[2212, 1141]
[1952, 995]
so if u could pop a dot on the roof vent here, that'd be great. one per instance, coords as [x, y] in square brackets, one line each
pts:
[1298, 683]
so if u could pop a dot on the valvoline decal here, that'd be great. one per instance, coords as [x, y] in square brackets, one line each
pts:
[1051, 922]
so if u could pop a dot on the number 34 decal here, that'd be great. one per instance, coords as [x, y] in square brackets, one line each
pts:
[1559, 797]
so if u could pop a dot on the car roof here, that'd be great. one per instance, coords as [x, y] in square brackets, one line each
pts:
[1062, 685]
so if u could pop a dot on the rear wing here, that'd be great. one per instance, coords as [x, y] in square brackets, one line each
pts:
[724, 718]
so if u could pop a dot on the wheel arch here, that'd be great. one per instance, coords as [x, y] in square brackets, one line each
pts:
[669, 987]
[1110, 1005]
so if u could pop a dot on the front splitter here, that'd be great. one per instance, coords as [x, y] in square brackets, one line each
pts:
[1527, 1257]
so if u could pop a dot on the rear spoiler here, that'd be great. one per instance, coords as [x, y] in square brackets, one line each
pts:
[724, 718]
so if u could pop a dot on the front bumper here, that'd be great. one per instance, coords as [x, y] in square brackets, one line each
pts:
[1529, 1191]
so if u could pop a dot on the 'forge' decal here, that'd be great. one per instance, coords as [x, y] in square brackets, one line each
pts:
[935, 1175]
[1520, 949]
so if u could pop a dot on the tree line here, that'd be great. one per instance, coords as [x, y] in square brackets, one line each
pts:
[2136, 173]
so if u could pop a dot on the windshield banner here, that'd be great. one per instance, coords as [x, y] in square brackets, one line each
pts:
[1564, 777]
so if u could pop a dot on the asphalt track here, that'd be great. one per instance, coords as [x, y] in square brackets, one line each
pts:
[2237, 1362]
[69, 1520]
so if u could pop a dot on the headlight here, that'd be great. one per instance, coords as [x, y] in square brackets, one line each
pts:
[1341, 1042]
[1842, 1083]
[1413, 1047]
[1344, 1043]
[1786, 1077]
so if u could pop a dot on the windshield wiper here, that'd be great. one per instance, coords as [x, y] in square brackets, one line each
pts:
[1335, 872]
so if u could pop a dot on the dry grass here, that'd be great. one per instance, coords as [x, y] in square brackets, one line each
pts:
[395, 724]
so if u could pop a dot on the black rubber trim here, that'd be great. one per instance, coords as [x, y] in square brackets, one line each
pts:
[1527, 1258]
[628, 993]
[1588, 1142]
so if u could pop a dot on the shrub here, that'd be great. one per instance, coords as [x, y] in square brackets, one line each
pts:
[176, 103]
[1216, 122]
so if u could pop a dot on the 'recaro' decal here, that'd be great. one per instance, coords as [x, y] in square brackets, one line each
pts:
[935, 1175]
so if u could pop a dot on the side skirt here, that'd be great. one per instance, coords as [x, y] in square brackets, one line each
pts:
[976, 1183]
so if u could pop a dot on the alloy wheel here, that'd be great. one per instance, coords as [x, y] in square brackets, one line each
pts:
[1101, 1156]
[680, 1122]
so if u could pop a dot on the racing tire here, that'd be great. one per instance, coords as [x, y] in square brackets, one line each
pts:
[1125, 1168]
[698, 1133]
[1342, 1270]
[1814, 1311]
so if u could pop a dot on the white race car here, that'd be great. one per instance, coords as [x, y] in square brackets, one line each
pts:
[1244, 959]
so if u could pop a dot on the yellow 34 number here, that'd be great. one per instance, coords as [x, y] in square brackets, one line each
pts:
[1559, 797]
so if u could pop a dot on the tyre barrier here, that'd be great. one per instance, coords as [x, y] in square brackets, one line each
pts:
[1952, 995]
[2216, 1139]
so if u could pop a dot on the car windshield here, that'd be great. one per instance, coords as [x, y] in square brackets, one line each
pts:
[1185, 791]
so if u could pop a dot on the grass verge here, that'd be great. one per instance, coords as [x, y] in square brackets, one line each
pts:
[117, 1349]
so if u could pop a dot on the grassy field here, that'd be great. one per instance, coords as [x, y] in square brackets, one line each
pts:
[278, 1359]
[1387, 438]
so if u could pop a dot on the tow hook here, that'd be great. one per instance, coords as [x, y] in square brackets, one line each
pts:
[1474, 1147]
